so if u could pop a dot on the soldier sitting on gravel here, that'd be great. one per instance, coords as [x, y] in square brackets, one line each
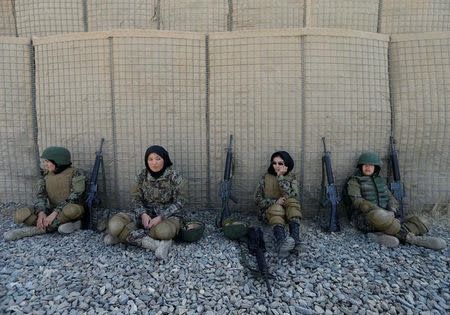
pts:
[156, 201]
[277, 198]
[59, 199]
[374, 209]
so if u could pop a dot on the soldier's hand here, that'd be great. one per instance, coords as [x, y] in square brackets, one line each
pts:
[145, 219]
[155, 221]
[281, 170]
[50, 218]
[40, 220]
[281, 201]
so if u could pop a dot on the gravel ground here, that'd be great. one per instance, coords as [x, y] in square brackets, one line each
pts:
[338, 273]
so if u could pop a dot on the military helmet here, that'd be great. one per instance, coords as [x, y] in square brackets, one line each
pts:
[192, 231]
[369, 158]
[234, 229]
[60, 155]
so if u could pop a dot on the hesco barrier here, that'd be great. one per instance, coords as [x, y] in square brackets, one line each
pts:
[274, 89]
[420, 82]
[49, 17]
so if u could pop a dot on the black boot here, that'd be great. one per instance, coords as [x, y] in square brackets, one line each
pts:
[294, 231]
[284, 244]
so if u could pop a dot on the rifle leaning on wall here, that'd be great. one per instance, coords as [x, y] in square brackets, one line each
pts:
[225, 188]
[92, 198]
[330, 197]
[396, 185]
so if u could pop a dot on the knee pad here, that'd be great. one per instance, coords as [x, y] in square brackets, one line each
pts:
[394, 228]
[416, 226]
[166, 230]
[380, 219]
[275, 215]
[293, 209]
[72, 212]
[25, 216]
[120, 225]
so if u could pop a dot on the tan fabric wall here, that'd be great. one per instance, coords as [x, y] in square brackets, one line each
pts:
[359, 15]
[121, 14]
[18, 163]
[264, 14]
[73, 97]
[194, 15]
[47, 17]
[7, 22]
[159, 95]
[255, 94]
[414, 16]
[420, 81]
[346, 94]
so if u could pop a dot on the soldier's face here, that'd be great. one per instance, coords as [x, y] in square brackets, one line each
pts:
[277, 163]
[368, 169]
[49, 166]
[155, 162]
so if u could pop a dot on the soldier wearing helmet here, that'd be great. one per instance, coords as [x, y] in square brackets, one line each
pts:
[157, 201]
[59, 200]
[374, 208]
[277, 197]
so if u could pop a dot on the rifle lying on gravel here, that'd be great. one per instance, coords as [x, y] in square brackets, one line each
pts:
[225, 188]
[330, 197]
[396, 185]
[92, 198]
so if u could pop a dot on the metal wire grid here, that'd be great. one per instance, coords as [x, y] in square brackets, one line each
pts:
[73, 99]
[18, 169]
[359, 15]
[406, 16]
[420, 81]
[194, 15]
[122, 14]
[41, 18]
[7, 22]
[255, 94]
[347, 101]
[159, 87]
[263, 14]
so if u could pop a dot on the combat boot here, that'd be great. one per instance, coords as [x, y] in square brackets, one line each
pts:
[163, 249]
[294, 231]
[19, 233]
[435, 243]
[110, 239]
[384, 239]
[69, 227]
[284, 244]
[150, 243]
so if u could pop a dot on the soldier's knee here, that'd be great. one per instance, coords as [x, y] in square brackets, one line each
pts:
[166, 230]
[293, 209]
[383, 221]
[275, 215]
[120, 225]
[25, 216]
[73, 211]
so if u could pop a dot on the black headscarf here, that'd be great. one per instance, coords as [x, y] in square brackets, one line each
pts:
[163, 154]
[288, 161]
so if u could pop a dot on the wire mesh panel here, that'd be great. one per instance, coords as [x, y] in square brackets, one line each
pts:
[159, 88]
[7, 22]
[263, 14]
[414, 16]
[359, 15]
[47, 17]
[194, 15]
[420, 80]
[73, 91]
[255, 94]
[18, 165]
[121, 14]
[346, 93]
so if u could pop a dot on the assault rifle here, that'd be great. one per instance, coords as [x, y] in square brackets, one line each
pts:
[396, 185]
[330, 197]
[257, 247]
[92, 198]
[225, 188]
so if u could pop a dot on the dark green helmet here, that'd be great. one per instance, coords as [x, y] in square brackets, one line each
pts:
[369, 158]
[60, 155]
[192, 231]
[234, 229]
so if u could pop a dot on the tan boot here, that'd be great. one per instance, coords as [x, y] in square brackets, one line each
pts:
[163, 249]
[435, 243]
[110, 240]
[150, 243]
[384, 239]
[19, 233]
[69, 227]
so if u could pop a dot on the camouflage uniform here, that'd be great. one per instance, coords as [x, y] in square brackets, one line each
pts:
[62, 193]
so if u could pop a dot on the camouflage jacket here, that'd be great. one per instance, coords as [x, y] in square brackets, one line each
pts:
[288, 186]
[76, 193]
[163, 196]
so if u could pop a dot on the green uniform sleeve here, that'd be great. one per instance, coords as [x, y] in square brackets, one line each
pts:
[77, 190]
[289, 186]
[261, 201]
